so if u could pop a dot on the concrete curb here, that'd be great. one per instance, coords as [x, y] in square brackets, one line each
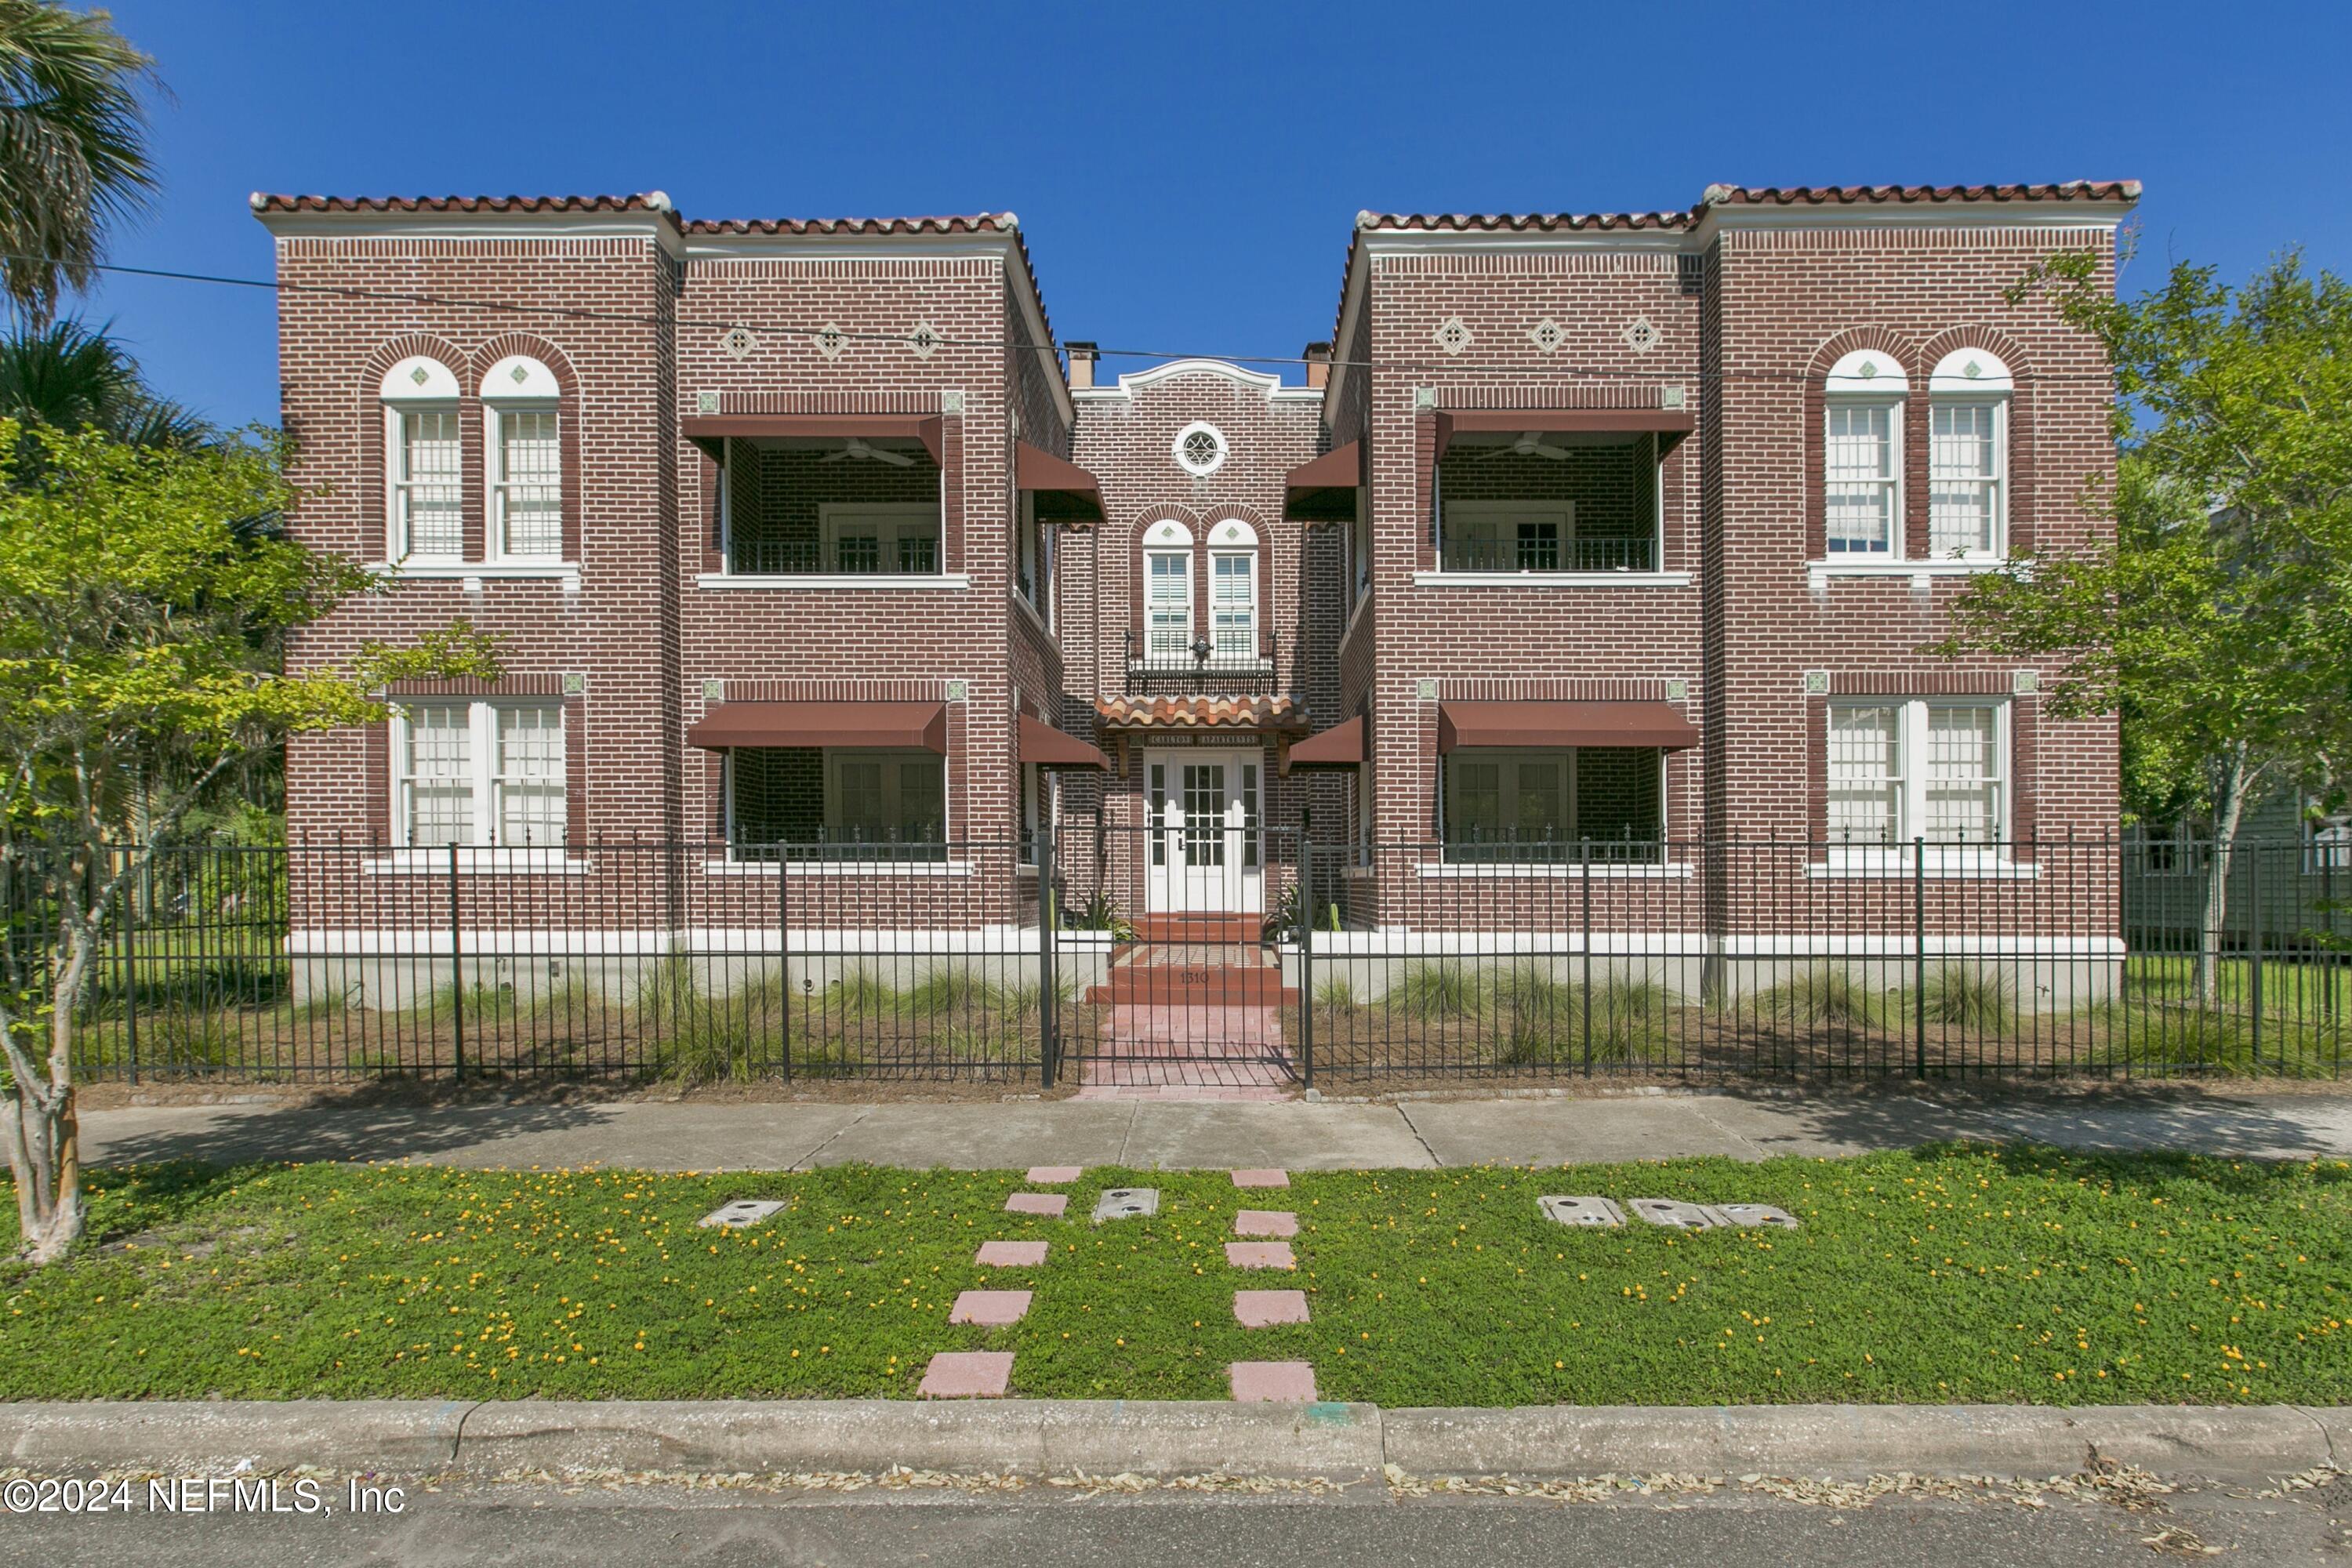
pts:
[1331, 1441]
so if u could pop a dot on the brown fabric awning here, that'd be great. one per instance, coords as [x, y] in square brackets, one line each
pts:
[1340, 746]
[1563, 724]
[708, 428]
[1065, 491]
[1324, 490]
[922, 725]
[1669, 425]
[1050, 748]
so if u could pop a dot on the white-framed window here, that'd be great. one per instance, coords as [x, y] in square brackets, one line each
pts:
[1968, 455]
[523, 433]
[1862, 455]
[1507, 804]
[1033, 561]
[1200, 448]
[1167, 590]
[887, 537]
[1232, 591]
[1508, 536]
[479, 773]
[424, 450]
[1906, 768]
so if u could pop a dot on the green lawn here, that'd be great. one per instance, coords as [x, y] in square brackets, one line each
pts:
[1963, 1275]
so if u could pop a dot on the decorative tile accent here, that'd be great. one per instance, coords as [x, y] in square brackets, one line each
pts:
[575, 684]
[1425, 690]
[1269, 1309]
[420, 375]
[1050, 1204]
[740, 343]
[1271, 1382]
[967, 1374]
[924, 338]
[1641, 334]
[1547, 335]
[1200, 448]
[706, 403]
[830, 340]
[1677, 690]
[1012, 1254]
[952, 404]
[990, 1309]
[1265, 1222]
[1817, 683]
[714, 691]
[1453, 335]
[2024, 682]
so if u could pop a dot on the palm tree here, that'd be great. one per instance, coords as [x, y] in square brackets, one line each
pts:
[72, 377]
[73, 147]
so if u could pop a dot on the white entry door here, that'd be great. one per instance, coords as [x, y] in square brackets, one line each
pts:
[1205, 851]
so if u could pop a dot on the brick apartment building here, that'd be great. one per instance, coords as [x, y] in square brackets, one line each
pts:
[1586, 541]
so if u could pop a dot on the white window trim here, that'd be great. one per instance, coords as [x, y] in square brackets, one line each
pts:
[395, 520]
[1942, 859]
[482, 853]
[831, 515]
[1200, 426]
[1998, 401]
[1894, 405]
[1177, 552]
[1570, 752]
[832, 790]
[498, 486]
[1562, 509]
[1249, 557]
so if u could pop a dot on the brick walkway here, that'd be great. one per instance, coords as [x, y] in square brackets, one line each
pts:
[1189, 1020]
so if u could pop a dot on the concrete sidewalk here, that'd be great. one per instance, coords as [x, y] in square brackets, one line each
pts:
[1295, 1135]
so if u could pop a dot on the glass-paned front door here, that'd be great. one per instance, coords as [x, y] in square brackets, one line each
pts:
[1204, 808]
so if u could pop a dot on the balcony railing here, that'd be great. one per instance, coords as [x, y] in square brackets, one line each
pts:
[1548, 555]
[1201, 671]
[789, 557]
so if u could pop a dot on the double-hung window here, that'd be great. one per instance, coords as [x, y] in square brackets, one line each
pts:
[1167, 590]
[1968, 455]
[1862, 456]
[1934, 768]
[895, 539]
[428, 491]
[527, 482]
[481, 775]
[1232, 603]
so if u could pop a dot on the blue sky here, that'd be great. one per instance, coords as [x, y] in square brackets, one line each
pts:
[1187, 176]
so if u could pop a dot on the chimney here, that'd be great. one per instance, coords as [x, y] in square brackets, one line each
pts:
[1082, 365]
[1319, 363]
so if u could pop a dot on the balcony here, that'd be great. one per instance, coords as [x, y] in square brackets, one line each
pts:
[853, 507]
[1549, 503]
[1200, 670]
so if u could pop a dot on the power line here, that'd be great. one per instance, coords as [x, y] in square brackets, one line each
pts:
[634, 318]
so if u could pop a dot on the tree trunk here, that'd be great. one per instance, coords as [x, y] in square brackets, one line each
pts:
[44, 1152]
[2232, 809]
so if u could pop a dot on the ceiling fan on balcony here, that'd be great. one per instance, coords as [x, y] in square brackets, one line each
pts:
[1530, 445]
[854, 447]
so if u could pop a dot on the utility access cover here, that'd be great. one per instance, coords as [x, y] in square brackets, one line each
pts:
[1582, 1211]
[1758, 1213]
[743, 1212]
[1678, 1215]
[1127, 1202]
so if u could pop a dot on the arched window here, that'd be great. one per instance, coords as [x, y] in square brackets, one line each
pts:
[1232, 591]
[1862, 455]
[1167, 590]
[1967, 454]
[523, 439]
[423, 462]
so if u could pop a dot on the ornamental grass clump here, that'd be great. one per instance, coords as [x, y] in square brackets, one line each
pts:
[1970, 997]
[1819, 995]
[1436, 990]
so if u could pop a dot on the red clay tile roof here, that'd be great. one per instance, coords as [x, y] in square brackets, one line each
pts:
[1468, 223]
[1831, 195]
[975, 223]
[644, 201]
[1201, 714]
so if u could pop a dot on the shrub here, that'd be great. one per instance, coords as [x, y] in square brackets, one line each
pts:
[1436, 990]
[1967, 995]
[954, 989]
[1817, 995]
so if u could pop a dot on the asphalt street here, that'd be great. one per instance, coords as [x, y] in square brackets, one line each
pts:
[514, 1523]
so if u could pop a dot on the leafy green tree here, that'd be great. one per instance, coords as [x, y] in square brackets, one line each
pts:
[140, 631]
[70, 377]
[73, 146]
[2217, 619]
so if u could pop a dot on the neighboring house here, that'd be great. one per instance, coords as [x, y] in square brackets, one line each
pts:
[1586, 539]
[2290, 877]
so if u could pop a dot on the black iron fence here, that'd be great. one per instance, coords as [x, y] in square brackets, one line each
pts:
[1223, 952]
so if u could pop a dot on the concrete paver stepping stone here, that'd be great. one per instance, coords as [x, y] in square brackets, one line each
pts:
[1265, 1308]
[1260, 1255]
[992, 1308]
[1581, 1211]
[1758, 1213]
[742, 1213]
[1261, 1178]
[1012, 1254]
[1678, 1215]
[966, 1374]
[1050, 1204]
[1265, 1222]
[1283, 1380]
[1053, 1175]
